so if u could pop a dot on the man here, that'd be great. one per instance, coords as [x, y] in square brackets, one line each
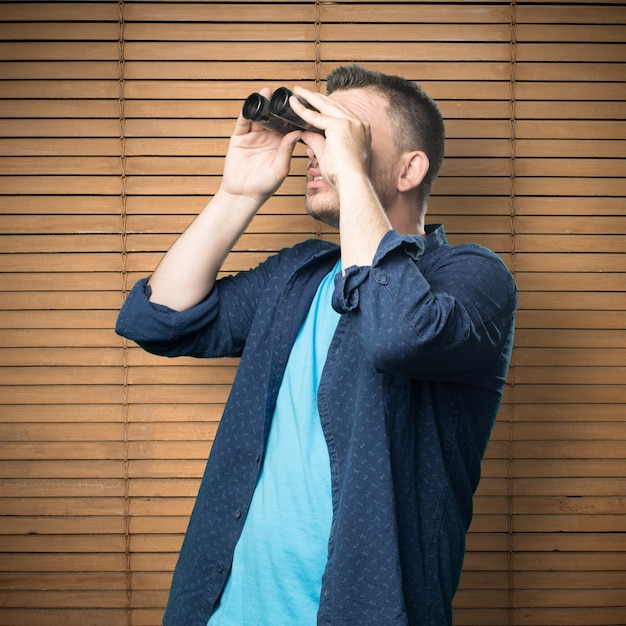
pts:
[339, 487]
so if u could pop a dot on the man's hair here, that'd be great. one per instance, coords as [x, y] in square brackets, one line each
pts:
[416, 119]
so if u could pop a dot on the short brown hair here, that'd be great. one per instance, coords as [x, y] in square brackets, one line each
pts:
[418, 123]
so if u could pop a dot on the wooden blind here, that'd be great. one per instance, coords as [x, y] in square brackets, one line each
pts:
[566, 431]
[115, 118]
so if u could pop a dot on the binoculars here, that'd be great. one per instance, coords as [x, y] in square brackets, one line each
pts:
[276, 114]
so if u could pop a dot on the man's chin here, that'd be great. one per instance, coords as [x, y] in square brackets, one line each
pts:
[330, 217]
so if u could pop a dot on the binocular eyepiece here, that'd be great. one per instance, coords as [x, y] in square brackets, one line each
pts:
[276, 114]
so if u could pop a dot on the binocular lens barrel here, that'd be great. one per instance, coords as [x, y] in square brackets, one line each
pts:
[276, 114]
[256, 107]
[279, 104]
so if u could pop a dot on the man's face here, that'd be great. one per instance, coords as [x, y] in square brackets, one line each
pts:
[322, 201]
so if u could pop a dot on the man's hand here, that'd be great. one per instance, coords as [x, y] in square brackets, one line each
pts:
[345, 150]
[257, 160]
[355, 163]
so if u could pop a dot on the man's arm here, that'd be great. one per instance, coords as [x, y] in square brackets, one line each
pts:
[430, 311]
[188, 271]
[256, 164]
[344, 158]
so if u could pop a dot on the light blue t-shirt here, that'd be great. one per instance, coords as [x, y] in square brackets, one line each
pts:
[280, 557]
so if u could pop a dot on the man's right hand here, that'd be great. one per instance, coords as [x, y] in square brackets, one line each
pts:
[257, 161]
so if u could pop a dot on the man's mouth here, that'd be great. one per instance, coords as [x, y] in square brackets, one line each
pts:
[315, 179]
[316, 182]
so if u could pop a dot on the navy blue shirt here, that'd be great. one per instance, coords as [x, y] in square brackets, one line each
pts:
[408, 398]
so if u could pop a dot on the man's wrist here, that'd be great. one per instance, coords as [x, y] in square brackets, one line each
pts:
[239, 202]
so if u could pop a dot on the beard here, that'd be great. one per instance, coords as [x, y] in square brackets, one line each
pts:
[322, 203]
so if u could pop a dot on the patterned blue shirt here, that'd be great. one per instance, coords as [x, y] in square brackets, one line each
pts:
[408, 398]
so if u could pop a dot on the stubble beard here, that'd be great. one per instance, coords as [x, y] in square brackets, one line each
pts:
[322, 203]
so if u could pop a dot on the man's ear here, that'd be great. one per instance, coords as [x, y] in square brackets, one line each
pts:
[414, 167]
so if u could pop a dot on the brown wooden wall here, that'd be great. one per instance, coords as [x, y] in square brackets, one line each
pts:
[114, 122]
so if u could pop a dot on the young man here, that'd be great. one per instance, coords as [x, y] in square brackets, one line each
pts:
[339, 487]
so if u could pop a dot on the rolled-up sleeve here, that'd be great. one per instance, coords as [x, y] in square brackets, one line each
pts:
[215, 327]
[158, 328]
[220, 324]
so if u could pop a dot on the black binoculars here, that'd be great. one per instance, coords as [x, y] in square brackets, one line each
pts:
[276, 114]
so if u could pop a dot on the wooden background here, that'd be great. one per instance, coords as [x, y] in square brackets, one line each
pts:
[114, 122]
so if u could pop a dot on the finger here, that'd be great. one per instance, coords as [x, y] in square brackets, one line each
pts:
[310, 96]
[313, 117]
[321, 102]
[282, 160]
[242, 126]
[315, 142]
[291, 139]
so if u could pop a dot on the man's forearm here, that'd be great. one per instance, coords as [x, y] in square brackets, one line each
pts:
[362, 221]
[188, 271]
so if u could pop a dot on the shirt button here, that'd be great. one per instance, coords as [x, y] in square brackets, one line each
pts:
[220, 568]
[257, 458]
[237, 514]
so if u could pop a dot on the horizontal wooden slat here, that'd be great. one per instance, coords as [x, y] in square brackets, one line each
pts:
[556, 580]
[226, 51]
[40, 51]
[589, 52]
[584, 33]
[67, 205]
[70, 617]
[65, 525]
[599, 449]
[554, 14]
[572, 357]
[384, 13]
[59, 581]
[64, 376]
[48, 12]
[72, 31]
[60, 128]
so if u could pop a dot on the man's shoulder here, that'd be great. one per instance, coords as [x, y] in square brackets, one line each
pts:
[469, 263]
[463, 250]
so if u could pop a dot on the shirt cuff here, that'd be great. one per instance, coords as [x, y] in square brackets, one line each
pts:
[142, 320]
[346, 295]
